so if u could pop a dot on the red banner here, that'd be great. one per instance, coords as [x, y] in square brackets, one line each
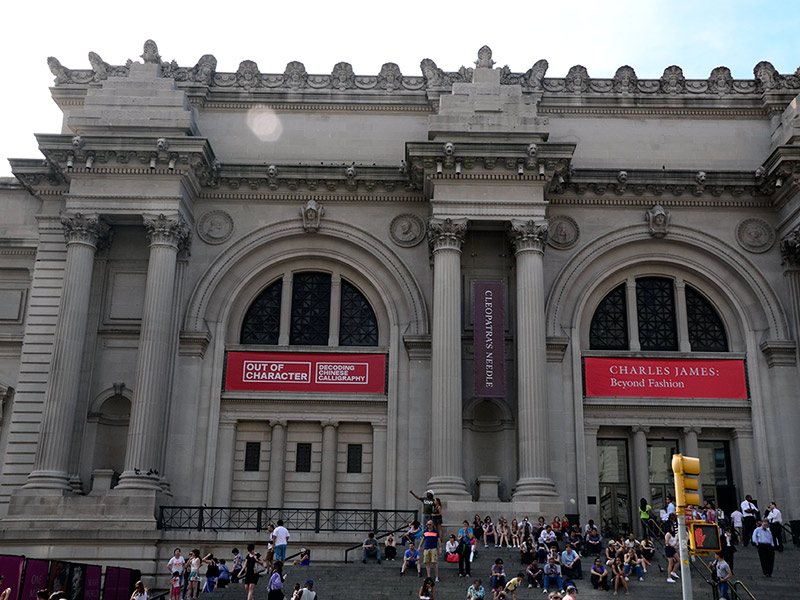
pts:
[299, 372]
[665, 378]
[489, 339]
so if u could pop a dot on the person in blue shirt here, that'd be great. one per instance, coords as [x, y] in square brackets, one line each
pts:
[411, 560]
[765, 543]
[431, 549]
[552, 574]
[571, 563]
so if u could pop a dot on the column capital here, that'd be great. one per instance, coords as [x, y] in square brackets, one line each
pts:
[168, 230]
[329, 423]
[446, 234]
[640, 429]
[228, 422]
[693, 429]
[590, 429]
[278, 422]
[528, 235]
[790, 248]
[85, 229]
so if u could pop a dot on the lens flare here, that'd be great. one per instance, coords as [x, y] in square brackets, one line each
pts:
[263, 122]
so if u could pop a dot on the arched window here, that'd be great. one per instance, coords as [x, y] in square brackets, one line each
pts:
[262, 323]
[309, 317]
[609, 329]
[656, 318]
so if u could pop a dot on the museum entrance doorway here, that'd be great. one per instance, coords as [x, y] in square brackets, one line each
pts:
[615, 490]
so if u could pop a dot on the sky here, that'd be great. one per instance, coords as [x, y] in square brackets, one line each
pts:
[648, 35]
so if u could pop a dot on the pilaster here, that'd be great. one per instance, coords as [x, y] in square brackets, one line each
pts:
[327, 488]
[277, 464]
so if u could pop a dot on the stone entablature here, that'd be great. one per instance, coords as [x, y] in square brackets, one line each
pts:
[203, 83]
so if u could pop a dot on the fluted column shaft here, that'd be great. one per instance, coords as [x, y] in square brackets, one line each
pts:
[379, 465]
[327, 484]
[277, 464]
[446, 238]
[223, 473]
[51, 466]
[693, 449]
[640, 465]
[145, 435]
[528, 238]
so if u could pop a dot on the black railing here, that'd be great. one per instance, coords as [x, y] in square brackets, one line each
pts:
[204, 518]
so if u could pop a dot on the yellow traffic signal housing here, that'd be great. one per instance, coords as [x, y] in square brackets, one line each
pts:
[686, 470]
[704, 537]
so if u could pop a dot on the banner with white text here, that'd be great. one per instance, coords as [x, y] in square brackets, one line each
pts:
[665, 378]
[303, 372]
[489, 339]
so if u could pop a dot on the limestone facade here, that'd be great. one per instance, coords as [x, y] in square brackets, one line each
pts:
[184, 214]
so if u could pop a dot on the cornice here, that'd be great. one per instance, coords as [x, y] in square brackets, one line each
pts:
[296, 87]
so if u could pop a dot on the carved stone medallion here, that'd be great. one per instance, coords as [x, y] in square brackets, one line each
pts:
[755, 235]
[215, 227]
[563, 232]
[407, 230]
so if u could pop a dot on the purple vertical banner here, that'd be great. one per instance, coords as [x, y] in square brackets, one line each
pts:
[36, 575]
[93, 576]
[11, 570]
[110, 585]
[489, 340]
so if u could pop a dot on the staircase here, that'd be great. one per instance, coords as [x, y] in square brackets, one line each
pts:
[376, 582]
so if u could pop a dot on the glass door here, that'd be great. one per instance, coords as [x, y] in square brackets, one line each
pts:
[615, 492]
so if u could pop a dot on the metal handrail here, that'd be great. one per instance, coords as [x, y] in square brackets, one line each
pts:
[739, 583]
[712, 584]
[228, 518]
[377, 537]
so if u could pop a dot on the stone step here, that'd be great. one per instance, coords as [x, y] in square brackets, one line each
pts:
[372, 581]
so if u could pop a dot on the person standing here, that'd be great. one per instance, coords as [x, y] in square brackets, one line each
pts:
[775, 520]
[237, 565]
[724, 574]
[427, 503]
[431, 548]
[308, 593]
[762, 539]
[275, 586]
[736, 520]
[177, 564]
[248, 570]
[749, 519]
[728, 541]
[280, 539]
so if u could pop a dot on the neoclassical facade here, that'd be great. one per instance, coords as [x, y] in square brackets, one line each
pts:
[290, 290]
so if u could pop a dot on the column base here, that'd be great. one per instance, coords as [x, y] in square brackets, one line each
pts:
[48, 480]
[449, 486]
[530, 488]
[133, 480]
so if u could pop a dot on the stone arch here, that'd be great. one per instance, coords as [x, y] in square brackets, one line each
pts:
[108, 420]
[730, 280]
[364, 253]
[490, 443]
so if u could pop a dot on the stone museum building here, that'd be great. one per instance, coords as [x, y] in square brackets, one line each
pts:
[230, 296]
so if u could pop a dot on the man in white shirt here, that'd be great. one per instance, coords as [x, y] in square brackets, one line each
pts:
[178, 564]
[670, 507]
[736, 518]
[280, 539]
[775, 520]
[749, 519]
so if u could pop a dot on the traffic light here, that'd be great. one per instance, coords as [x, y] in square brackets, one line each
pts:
[686, 470]
[704, 537]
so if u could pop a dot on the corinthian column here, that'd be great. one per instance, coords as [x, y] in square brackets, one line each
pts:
[528, 238]
[84, 235]
[446, 237]
[167, 235]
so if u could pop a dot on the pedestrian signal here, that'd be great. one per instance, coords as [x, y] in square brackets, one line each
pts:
[704, 537]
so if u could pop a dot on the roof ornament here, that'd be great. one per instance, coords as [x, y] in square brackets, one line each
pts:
[150, 54]
[484, 58]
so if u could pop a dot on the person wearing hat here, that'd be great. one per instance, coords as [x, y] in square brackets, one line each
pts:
[427, 503]
[308, 593]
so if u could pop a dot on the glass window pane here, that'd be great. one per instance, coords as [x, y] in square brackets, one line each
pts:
[262, 322]
[354, 452]
[612, 461]
[706, 333]
[303, 463]
[655, 305]
[311, 309]
[609, 328]
[252, 456]
[659, 460]
[357, 325]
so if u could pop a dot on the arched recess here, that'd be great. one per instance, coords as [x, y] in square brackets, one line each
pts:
[744, 298]
[490, 443]
[222, 295]
[364, 254]
[106, 433]
[724, 275]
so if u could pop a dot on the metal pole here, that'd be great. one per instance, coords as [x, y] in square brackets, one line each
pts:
[686, 573]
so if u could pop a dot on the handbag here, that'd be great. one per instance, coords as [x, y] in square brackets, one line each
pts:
[259, 569]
